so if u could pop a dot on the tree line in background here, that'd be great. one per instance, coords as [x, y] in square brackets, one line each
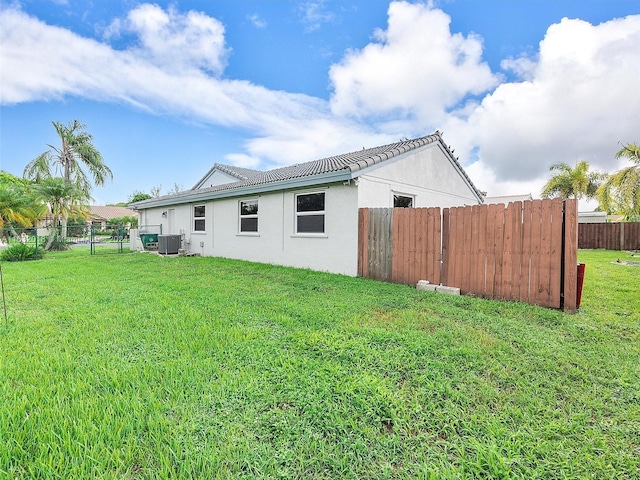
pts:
[55, 190]
[617, 193]
[55, 186]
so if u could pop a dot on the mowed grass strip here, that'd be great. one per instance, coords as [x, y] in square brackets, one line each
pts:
[136, 366]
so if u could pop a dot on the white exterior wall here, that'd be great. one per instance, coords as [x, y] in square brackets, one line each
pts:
[276, 242]
[592, 217]
[426, 174]
[217, 178]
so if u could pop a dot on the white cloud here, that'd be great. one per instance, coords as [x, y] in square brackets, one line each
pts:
[243, 160]
[578, 103]
[43, 62]
[257, 21]
[415, 69]
[314, 14]
[577, 97]
[173, 40]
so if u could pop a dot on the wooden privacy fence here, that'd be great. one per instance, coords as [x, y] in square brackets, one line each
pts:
[526, 251]
[610, 236]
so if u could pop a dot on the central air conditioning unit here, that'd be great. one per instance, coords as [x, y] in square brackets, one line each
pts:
[168, 244]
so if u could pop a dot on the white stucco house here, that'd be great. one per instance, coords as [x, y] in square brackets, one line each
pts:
[306, 215]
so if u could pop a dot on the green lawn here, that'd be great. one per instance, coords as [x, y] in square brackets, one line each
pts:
[136, 366]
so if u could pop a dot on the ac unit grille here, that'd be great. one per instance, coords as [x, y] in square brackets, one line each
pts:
[168, 244]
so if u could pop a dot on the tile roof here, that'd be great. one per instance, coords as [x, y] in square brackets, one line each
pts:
[108, 212]
[507, 199]
[349, 163]
[237, 172]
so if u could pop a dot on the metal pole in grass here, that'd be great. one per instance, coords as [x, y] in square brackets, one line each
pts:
[4, 303]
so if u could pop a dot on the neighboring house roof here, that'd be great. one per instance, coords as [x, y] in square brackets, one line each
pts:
[109, 212]
[507, 199]
[325, 170]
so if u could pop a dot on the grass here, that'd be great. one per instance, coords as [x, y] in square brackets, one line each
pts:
[136, 366]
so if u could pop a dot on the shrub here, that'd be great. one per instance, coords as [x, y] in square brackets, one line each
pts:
[19, 252]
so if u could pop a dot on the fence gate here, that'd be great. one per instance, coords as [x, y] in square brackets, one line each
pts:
[107, 240]
[526, 251]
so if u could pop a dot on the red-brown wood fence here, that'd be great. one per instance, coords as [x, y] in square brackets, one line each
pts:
[526, 251]
[610, 236]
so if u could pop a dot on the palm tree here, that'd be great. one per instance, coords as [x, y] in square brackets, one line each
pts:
[570, 182]
[620, 193]
[77, 150]
[17, 207]
[64, 200]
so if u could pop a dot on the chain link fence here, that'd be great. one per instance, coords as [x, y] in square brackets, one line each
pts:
[32, 243]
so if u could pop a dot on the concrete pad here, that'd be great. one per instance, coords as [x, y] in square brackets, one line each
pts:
[448, 290]
[425, 286]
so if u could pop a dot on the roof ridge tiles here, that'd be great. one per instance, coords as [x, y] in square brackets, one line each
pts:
[351, 162]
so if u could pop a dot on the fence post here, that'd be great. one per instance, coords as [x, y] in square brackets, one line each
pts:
[621, 236]
[570, 257]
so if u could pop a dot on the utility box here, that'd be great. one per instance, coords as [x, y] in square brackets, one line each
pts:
[149, 240]
[169, 244]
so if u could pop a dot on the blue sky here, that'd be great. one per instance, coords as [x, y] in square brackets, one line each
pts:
[169, 88]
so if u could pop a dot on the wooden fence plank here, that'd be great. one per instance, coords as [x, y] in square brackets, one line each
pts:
[507, 252]
[536, 216]
[459, 247]
[397, 254]
[482, 249]
[473, 251]
[544, 278]
[467, 248]
[512, 252]
[444, 266]
[555, 257]
[498, 248]
[388, 254]
[436, 245]
[412, 261]
[363, 242]
[374, 244]
[490, 244]
[425, 242]
[524, 290]
[516, 249]
[406, 246]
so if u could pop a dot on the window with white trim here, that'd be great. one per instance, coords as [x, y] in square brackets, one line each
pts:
[249, 215]
[198, 218]
[402, 201]
[310, 212]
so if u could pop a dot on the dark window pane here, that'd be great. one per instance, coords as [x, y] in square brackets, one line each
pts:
[198, 211]
[249, 208]
[402, 201]
[248, 224]
[310, 203]
[311, 224]
[198, 225]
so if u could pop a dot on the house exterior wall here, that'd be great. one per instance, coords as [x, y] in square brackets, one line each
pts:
[426, 174]
[592, 217]
[217, 178]
[275, 242]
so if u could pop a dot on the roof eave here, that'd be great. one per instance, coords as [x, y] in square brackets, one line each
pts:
[288, 184]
